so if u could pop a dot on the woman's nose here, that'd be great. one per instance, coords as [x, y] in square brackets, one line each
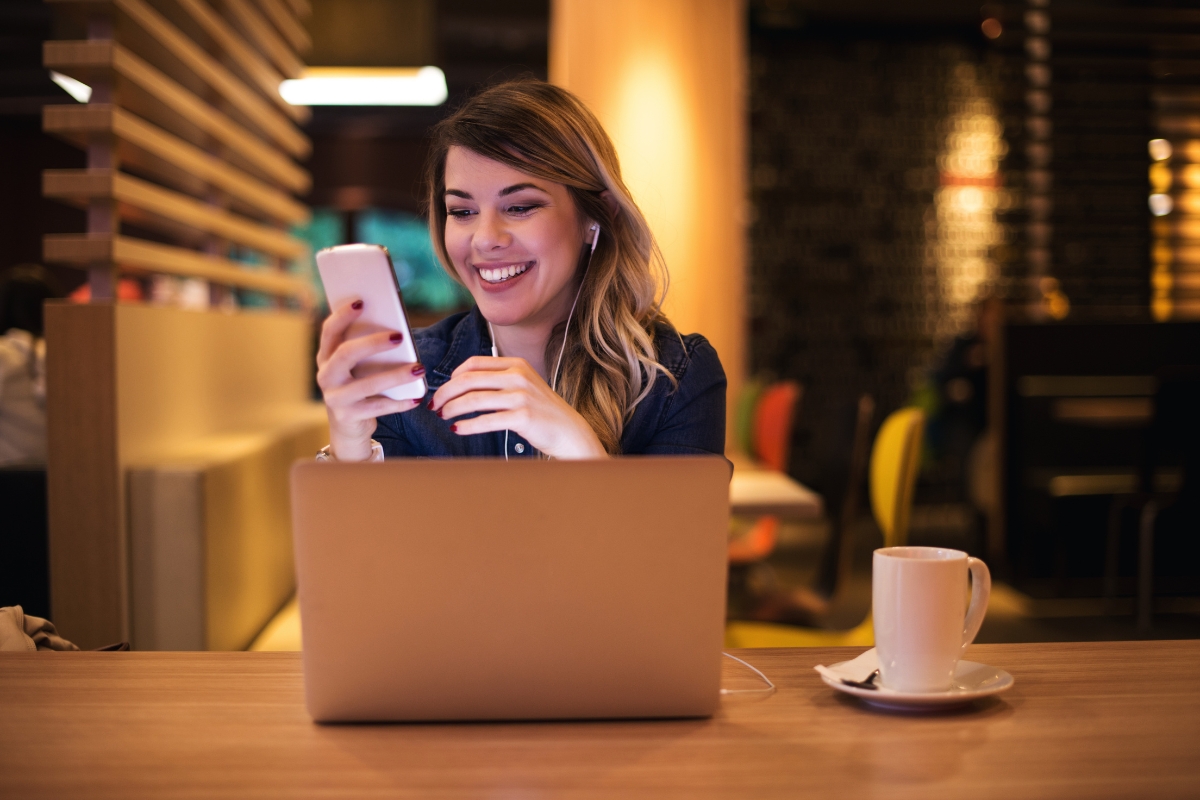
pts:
[491, 233]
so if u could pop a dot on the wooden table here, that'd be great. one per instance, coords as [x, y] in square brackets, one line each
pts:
[1093, 720]
[755, 492]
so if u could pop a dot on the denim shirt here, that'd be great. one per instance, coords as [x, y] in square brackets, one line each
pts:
[684, 420]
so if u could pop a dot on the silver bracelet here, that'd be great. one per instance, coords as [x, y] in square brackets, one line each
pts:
[326, 453]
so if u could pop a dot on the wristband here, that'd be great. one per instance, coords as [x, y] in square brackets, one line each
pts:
[326, 454]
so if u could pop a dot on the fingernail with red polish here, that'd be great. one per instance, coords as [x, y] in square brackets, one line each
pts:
[454, 428]
[419, 369]
[356, 305]
[438, 412]
[429, 405]
[396, 338]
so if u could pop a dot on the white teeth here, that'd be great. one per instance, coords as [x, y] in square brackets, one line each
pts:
[501, 273]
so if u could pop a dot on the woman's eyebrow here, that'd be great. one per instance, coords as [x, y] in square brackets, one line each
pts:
[516, 187]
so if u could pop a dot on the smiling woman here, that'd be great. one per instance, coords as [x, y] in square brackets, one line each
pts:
[567, 353]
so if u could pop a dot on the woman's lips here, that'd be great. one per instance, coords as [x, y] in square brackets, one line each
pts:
[502, 274]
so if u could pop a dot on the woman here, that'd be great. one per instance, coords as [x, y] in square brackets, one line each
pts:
[567, 352]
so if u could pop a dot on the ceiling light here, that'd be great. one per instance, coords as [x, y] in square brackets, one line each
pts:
[80, 91]
[366, 86]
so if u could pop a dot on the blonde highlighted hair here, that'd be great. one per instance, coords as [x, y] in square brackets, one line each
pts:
[610, 363]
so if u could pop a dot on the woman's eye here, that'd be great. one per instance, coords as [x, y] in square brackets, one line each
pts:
[460, 213]
[521, 209]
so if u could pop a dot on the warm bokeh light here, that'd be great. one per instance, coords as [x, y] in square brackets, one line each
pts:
[653, 133]
[992, 28]
[1037, 22]
[1188, 202]
[1056, 303]
[1175, 202]
[1189, 176]
[1161, 204]
[967, 200]
[1160, 177]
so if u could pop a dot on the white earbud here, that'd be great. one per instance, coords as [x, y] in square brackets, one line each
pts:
[595, 237]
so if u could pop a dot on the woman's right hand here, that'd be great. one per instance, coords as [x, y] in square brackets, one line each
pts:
[354, 403]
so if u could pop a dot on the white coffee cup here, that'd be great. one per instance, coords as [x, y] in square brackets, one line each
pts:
[922, 621]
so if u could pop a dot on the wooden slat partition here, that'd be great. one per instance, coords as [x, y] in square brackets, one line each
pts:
[254, 65]
[148, 91]
[152, 151]
[188, 139]
[152, 206]
[266, 37]
[285, 20]
[301, 8]
[140, 256]
[266, 105]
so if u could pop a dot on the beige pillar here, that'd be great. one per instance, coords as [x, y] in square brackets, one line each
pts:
[667, 80]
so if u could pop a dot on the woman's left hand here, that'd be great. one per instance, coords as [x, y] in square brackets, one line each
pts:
[514, 397]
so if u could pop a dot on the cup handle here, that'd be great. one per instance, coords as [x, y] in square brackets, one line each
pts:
[981, 589]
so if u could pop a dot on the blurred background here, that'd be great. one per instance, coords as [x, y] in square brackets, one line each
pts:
[988, 212]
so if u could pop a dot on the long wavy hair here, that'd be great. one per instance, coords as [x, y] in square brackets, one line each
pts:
[609, 363]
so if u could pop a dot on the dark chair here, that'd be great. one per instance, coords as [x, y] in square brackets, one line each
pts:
[24, 540]
[1171, 440]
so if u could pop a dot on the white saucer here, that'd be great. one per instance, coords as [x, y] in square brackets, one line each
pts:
[971, 682]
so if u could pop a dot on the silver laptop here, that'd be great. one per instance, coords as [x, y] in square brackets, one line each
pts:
[474, 589]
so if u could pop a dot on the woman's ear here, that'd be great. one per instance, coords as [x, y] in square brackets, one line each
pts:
[614, 208]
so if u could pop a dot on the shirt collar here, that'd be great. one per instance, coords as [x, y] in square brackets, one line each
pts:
[470, 338]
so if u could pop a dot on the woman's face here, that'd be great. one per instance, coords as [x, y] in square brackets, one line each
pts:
[513, 238]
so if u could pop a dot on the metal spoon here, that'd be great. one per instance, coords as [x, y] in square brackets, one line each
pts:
[869, 683]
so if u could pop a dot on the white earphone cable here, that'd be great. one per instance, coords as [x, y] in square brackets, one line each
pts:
[496, 354]
[566, 330]
[770, 686]
[563, 348]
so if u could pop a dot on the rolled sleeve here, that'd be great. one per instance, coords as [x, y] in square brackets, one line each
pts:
[692, 421]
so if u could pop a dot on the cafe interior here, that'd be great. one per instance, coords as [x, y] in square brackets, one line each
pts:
[948, 252]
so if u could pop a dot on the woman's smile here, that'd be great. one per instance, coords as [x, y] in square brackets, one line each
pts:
[498, 275]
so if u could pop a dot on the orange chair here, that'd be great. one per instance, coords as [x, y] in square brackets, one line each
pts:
[773, 419]
[771, 441]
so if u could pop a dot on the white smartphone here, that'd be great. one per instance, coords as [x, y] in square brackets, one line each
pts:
[364, 272]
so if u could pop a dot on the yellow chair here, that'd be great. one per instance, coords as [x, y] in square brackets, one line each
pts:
[893, 476]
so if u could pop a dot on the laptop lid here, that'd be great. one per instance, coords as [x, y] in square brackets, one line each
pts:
[472, 589]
